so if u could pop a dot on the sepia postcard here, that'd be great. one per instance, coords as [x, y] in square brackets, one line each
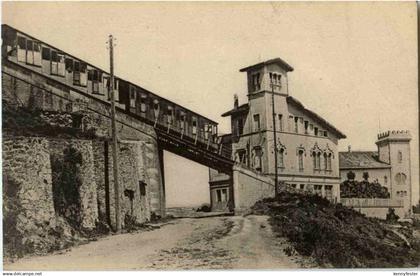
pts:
[210, 136]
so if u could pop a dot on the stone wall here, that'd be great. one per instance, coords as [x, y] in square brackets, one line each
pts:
[28, 209]
[22, 87]
[249, 187]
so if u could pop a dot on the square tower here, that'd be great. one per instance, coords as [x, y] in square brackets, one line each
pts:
[394, 149]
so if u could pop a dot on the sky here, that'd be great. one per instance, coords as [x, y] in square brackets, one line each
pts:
[355, 62]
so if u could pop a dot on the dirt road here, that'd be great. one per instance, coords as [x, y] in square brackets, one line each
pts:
[207, 243]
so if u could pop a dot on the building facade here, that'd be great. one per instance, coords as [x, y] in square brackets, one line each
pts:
[389, 165]
[306, 144]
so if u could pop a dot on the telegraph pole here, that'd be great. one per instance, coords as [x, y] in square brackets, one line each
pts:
[114, 137]
[275, 139]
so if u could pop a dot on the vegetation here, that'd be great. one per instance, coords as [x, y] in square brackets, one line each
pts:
[363, 189]
[65, 185]
[22, 121]
[337, 236]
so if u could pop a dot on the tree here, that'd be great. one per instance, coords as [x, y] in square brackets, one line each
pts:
[351, 175]
[366, 176]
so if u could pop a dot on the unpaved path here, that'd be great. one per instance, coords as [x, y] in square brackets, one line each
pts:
[207, 243]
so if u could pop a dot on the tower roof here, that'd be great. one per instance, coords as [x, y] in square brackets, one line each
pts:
[278, 61]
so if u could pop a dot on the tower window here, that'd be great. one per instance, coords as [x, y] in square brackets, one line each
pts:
[316, 131]
[257, 123]
[296, 124]
[306, 127]
[280, 122]
[256, 83]
[399, 157]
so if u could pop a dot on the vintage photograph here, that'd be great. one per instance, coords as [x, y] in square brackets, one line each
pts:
[210, 136]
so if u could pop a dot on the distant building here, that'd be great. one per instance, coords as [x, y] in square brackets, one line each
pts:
[306, 143]
[389, 166]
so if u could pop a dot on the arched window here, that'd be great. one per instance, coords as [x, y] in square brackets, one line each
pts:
[318, 160]
[325, 161]
[329, 162]
[314, 160]
[258, 158]
[300, 160]
[281, 158]
[400, 178]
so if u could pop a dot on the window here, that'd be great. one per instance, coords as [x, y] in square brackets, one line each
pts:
[169, 115]
[302, 186]
[133, 96]
[325, 133]
[280, 122]
[329, 162]
[275, 79]
[257, 125]
[242, 156]
[399, 157]
[385, 180]
[300, 157]
[256, 83]
[95, 77]
[316, 131]
[143, 106]
[221, 195]
[281, 158]
[194, 126]
[33, 53]
[306, 127]
[182, 121]
[79, 74]
[68, 64]
[296, 124]
[142, 187]
[318, 160]
[46, 53]
[258, 158]
[400, 178]
[21, 49]
[156, 109]
[58, 66]
[326, 161]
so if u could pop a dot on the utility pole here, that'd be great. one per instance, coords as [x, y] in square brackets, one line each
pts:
[275, 139]
[114, 137]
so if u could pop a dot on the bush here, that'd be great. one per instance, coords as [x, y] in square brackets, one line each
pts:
[363, 189]
[391, 216]
[334, 234]
[204, 208]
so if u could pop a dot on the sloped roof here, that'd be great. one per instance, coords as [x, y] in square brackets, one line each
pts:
[279, 61]
[242, 108]
[315, 116]
[361, 160]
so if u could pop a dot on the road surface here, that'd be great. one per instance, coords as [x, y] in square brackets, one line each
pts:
[206, 243]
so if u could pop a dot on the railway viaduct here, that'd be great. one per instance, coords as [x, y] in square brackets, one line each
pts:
[77, 122]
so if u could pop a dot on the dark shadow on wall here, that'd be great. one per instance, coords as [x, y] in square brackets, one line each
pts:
[65, 184]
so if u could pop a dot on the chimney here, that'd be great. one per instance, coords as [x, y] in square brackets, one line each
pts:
[349, 148]
[235, 101]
